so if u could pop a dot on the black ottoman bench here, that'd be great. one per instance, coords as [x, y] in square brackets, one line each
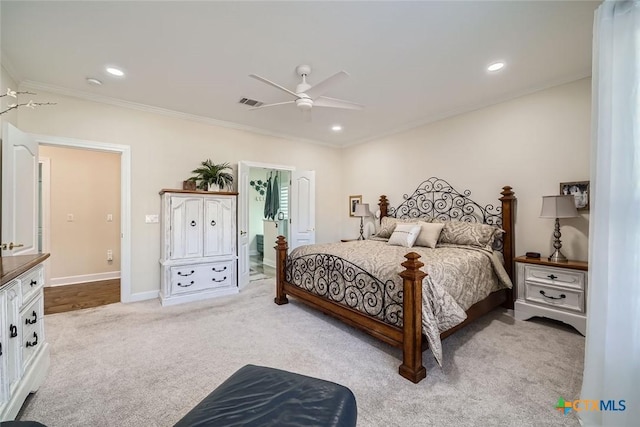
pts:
[261, 396]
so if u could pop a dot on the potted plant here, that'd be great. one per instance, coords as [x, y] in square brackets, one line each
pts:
[212, 177]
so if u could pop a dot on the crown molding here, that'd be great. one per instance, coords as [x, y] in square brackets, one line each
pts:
[30, 84]
[6, 63]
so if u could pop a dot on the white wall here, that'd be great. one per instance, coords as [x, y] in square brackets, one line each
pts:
[531, 143]
[165, 149]
[7, 82]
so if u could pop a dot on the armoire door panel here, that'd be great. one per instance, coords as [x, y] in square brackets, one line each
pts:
[187, 226]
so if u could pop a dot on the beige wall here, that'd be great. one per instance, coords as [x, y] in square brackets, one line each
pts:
[165, 149]
[531, 143]
[85, 184]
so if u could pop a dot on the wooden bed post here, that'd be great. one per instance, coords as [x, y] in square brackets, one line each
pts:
[281, 261]
[412, 276]
[508, 249]
[384, 205]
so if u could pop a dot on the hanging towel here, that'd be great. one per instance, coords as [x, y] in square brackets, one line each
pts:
[275, 198]
[267, 200]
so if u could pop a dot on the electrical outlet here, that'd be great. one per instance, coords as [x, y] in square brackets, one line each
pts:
[69, 217]
[109, 217]
[109, 255]
[151, 219]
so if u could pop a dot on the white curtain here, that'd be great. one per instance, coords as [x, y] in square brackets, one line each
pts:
[612, 355]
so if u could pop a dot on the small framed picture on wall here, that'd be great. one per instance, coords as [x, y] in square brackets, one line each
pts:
[353, 201]
[579, 190]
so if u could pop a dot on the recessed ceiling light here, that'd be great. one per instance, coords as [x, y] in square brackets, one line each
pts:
[93, 81]
[495, 66]
[336, 128]
[115, 71]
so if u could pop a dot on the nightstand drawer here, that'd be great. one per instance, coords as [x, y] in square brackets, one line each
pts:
[555, 276]
[568, 299]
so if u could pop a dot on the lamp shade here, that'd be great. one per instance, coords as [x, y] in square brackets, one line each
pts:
[558, 207]
[362, 209]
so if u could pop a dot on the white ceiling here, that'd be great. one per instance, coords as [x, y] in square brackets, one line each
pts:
[410, 62]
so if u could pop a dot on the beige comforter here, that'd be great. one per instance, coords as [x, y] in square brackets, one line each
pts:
[457, 278]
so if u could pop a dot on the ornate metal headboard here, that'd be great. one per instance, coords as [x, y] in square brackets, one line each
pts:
[436, 198]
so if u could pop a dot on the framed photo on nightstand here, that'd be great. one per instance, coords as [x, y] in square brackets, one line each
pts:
[579, 190]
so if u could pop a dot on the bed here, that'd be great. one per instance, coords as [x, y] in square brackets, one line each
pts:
[366, 285]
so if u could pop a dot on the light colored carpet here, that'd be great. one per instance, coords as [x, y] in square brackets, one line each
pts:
[144, 365]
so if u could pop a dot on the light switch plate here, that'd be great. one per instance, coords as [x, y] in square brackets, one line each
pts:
[151, 219]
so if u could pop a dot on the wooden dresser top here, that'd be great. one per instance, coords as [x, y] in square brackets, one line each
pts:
[13, 266]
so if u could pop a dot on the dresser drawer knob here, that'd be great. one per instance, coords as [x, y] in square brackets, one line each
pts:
[213, 223]
[13, 331]
[547, 296]
[185, 286]
[0, 349]
[31, 322]
[219, 271]
[221, 280]
[552, 276]
[180, 273]
[33, 283]
[193, 223]
[32, 343]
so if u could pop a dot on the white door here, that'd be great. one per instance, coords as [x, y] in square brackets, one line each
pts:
[302, 208]
[19, 192]
[243, 224]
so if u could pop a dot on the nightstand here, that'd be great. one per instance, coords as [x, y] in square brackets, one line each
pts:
[554, 290]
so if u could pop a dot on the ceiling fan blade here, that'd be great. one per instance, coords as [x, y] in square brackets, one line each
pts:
[325, 101]
[272, 105]
[276, 85]
[319, 88]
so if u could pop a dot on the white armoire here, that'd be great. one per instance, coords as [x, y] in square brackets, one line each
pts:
[198, 251]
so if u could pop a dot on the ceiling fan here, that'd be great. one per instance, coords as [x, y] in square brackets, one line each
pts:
[308, 96]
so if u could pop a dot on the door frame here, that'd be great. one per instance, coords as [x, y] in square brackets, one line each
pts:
[125, 199]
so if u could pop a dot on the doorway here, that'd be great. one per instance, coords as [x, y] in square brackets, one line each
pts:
[124, 213]
[268, 206]
[80, 223]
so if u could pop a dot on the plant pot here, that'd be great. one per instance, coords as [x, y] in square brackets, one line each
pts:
[213, 187]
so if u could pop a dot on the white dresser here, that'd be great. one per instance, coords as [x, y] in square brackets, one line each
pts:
[24, 352]
[198, 251]
[553, 290]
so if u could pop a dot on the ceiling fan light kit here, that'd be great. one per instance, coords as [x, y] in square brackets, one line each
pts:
[307, 96]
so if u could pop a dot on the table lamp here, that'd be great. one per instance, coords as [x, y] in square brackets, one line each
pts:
[362, 210]
[558, 207]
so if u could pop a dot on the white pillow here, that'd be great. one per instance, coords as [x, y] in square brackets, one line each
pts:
[405, 235]
[429, 234]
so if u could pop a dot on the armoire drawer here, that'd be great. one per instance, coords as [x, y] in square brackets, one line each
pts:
[191, 278]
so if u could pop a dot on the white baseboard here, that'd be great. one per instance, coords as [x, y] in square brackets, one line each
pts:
[142, 296]
[70, 280]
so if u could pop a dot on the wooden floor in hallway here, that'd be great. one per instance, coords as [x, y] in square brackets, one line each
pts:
[58, 299]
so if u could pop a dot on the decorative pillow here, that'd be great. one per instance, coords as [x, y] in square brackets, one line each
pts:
[388, 224]
[405, 235]
[469, 233]
[429, 234]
